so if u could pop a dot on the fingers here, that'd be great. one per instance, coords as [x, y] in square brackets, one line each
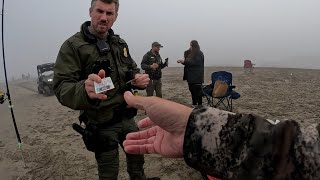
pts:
[100, 96]
[141, 80]
[168, 115]
[144, 134]
[144, 123]
[139, 146]
[180, 61]
[94, 78]
[140, 149]
[134, 101]
[89, 86]
[101, 73]
[93, 95]
[139, 142]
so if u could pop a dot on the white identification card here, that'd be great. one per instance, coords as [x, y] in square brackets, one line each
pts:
[105, 85]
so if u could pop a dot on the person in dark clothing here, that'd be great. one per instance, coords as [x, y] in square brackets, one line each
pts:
[194, 71]
[226, 145]
[86, 58]
[152, 64]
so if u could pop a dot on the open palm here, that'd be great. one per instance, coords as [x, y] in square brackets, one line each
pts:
[154, 140]
[163, 129]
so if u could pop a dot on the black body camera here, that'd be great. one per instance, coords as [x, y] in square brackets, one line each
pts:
[103, 47]
[103, 64]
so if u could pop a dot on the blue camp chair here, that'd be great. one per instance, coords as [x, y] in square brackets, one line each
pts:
[226, 99]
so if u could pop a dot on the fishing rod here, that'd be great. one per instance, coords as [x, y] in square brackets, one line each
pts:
[7, 85]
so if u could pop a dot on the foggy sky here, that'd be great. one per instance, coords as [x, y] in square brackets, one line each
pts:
[273, 33]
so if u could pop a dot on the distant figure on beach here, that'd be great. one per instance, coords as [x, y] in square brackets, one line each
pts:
[152, 64]
[248, 66]
[194, 71]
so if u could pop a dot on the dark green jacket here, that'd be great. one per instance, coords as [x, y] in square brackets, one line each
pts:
[75, 62]
[148, 59]
[249, 147]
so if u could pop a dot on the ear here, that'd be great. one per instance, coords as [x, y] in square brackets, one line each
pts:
[116, 16]
[90, 11]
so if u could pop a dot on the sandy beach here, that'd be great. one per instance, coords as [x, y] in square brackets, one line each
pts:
[53, 150]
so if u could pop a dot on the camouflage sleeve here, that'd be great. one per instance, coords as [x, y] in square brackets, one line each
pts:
[68, 85]
[245, 146]
[144, 63]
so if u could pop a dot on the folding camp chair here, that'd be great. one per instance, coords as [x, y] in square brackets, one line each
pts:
[2, 97]
[226, 99]
[248, 67]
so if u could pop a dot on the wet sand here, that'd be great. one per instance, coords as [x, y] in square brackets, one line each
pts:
[53, 150]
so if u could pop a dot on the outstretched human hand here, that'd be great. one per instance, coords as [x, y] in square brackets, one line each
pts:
[165, 127]
[141, 80]
[180, 61]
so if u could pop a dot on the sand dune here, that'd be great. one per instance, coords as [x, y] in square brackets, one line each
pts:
[52, 150]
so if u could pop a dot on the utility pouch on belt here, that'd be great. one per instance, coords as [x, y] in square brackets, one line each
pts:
[89, 136]
[131, 112]
[123, 111]
[92, 140]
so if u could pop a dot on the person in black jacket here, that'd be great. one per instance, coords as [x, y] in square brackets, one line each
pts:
[193, 71]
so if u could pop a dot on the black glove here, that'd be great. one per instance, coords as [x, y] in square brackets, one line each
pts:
[166, 61]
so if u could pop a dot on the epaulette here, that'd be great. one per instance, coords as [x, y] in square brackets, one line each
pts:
[121, 41]
[114, 38]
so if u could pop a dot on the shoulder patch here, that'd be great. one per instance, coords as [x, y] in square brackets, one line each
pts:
[125, 52]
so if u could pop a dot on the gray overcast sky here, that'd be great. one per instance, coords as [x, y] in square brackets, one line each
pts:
[270, 32]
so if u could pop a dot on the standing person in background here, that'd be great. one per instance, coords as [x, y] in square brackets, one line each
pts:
[153, 65]
[194, 71]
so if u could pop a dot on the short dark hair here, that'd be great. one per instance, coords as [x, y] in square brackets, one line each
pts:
[93, 2]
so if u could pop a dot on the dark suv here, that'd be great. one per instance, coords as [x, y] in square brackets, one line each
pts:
[45, 79]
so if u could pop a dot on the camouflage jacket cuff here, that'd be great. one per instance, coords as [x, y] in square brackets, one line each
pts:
[224, 145]
[202, 140]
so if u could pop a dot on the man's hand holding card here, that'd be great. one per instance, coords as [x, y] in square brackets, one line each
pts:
[105, 85]
[101, 87]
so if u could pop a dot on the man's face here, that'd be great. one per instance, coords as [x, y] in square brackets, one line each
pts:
[103, 15]
[156, 49]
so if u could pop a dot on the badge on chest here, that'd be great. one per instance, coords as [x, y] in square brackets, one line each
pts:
[125, 52]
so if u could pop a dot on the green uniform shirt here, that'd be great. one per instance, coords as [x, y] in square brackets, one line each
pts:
[75, 62]
[148, 59]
